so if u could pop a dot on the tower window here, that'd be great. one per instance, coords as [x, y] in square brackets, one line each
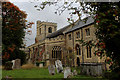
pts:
[40, 31]
[49, 30]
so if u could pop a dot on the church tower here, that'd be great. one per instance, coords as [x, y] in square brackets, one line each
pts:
[44, 29]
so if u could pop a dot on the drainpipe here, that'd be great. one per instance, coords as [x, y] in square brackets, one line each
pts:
[73, 42]
[82, 46]
[65, 38]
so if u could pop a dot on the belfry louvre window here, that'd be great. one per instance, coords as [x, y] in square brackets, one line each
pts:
[49, 30]
[88, 52]
[87, 32]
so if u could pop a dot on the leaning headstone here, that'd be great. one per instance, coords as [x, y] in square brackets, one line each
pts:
[67, 72]
[8, 65]
[59, 66]
[51, 69]
[74, 72]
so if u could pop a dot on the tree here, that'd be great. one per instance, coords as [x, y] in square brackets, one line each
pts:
[107, 22]
[108, 32]
[13, 32]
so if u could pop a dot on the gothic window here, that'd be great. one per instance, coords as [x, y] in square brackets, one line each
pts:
[77, 34]
[56, 52]
[69, 36]
[88, 52]
[52, 53]
[78, 50]
[87, 32]
[49, 30]
[70, 51]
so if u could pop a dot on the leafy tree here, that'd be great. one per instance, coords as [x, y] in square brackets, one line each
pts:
[107, 22]
[13, 32]
[108, 32]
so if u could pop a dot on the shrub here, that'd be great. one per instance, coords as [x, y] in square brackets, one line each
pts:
[8, 65]
[28, 66]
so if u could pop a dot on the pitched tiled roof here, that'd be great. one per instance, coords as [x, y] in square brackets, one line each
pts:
[81, 24]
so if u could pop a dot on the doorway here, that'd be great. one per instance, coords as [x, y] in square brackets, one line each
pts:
[78, 61]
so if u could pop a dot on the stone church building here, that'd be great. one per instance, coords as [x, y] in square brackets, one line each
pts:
[52, 44]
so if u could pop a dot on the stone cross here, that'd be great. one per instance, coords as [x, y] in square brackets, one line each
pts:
[59, 66]
[51, 69]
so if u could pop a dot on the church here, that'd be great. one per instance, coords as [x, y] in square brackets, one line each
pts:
[52, 44]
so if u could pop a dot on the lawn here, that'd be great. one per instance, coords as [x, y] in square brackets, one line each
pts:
[36, 73]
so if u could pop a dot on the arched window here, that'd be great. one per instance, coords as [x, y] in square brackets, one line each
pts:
[49, 30]
[52, 53]
[78, 50]
[77, 34]
[56, 52]
[87, 32]
[88, 52]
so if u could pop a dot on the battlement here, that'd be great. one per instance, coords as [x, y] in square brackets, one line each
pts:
[46, 23]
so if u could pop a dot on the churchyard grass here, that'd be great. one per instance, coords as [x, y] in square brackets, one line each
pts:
[36, 73]
[30, 73]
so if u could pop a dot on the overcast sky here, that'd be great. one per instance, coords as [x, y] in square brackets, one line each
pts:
[47, 15]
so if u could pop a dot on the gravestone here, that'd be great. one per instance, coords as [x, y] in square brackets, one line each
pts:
[8, 65]
[93, 69]
[67, 72]
[16, 64]
[13, 66]
[51, 69]
[41, 65]
[74, 72]
[59, 66]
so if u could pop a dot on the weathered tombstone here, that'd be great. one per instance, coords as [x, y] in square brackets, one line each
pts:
[93, 69]
[13, 66]
[59, 66]
[8, 65]
[67, 72]
[16, 64]
[51, 69]
[74, 72]
[41, 65]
